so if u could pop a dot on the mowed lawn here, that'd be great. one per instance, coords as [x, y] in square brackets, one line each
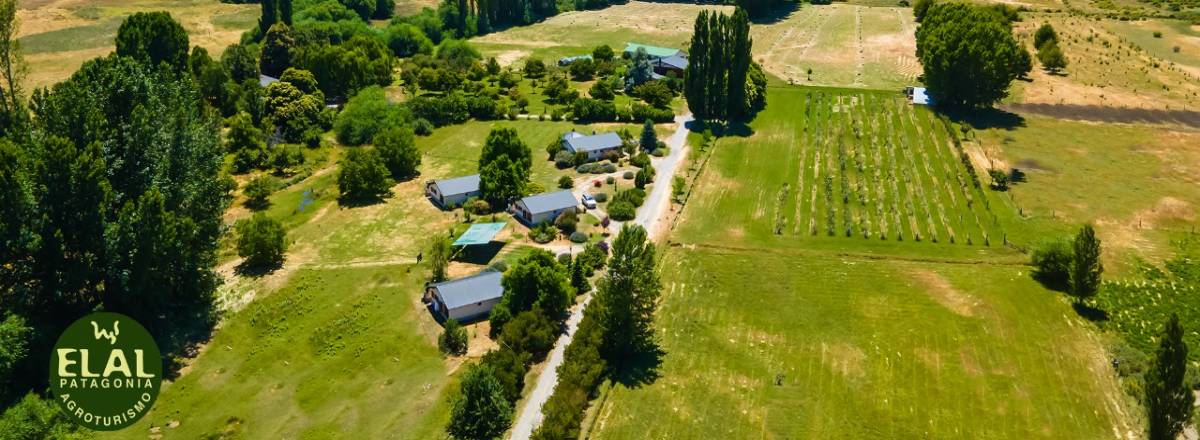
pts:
[337, 353]
[801, 336]
[767, 344]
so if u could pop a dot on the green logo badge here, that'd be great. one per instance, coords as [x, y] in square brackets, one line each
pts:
[105, 371]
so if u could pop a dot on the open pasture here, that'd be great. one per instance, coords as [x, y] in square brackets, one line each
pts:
[57, 36]
[578, 32]
[764, 343]
[843, 45]
[1115, 64]
[844, 165]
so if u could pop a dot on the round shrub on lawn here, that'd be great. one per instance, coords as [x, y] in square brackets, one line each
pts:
[578, 237]
[628, 175]
[610, 180]
[601, 197]
[621, 210]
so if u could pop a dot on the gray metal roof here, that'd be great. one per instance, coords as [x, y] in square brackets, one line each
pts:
[547, 202]
[264, 80]
[675, 61]
[602, 141]
[458, 185]
[470, 290]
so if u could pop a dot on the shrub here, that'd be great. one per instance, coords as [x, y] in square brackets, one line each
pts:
[530, 332]
[509, 367]
[578, 237]
[1052, 264]
[453, 339]
[363, 176]
[543, 233]
[628, 175]
[1157, 34]
[258, 190]
[608, 168]
[610, 179]
[621, 210]
[499, 266]
[565, 182]
[567, 222]
[422, 127]
[478, 207]
[635, 196]
[564, 159]
[262, 241]
[601, 197]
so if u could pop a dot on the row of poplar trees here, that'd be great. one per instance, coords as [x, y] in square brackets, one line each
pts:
[715, 83]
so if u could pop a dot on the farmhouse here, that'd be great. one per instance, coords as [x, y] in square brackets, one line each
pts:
[467, 298]
[596, 146]
[655, 52]
[566, 61]
[673, 64]
[448, 193]
[545, 207]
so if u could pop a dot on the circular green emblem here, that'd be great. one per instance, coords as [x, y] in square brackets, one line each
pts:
[105, 371]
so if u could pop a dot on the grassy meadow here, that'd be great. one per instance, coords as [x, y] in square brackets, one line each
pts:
[771, 331]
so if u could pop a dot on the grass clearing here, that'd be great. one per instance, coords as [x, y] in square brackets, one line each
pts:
[795, 335]
[58, 36]
[843, 45]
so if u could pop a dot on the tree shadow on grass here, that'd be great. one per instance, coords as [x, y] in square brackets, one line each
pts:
[983, 119]
[358, 202]
[778, 14]
[256, 270]
[1090, 313]
[641, 368]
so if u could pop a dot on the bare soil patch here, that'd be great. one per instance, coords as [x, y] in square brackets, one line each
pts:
[940, 290]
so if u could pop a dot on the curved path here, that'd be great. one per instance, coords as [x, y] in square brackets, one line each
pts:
[649, 216]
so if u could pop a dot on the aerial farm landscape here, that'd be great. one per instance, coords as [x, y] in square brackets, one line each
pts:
[604, 219]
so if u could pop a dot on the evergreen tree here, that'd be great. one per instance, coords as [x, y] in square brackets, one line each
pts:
[579, 279]
[262, 241]
[270, 15]
[627, 296]
[285, 11]
[504, 166]
[968, 54]
[649, 139]
[277, 50]
[153, 38]
[1169, 399]
[739, 65]
[721, 81]
[1044, 34]
[1085, 266]
[440, 249]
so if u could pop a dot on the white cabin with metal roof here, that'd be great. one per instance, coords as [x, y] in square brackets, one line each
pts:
[466, 299]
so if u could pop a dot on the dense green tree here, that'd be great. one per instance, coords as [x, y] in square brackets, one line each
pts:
[153, 37]
[130, 198]
[579, 279]
[920, 8]
[1169, 397]
[292, 111]
[655, 93]
[12, 71]
[968, 54]
[363, 176]
[277, 48]
[243, 135]
[269, 16]
[258, 190]
[530, 332]
[262, 241]
[480, 410]
[627, 296]
[364, 8]
[399, 151]
[15, 336]
[365, 115]
[458, 54]
[721, 81]
[504, 166]
[509, 367]
[36, 418]
[1051, 57]
[640, 71]
[240, 63]
[603, 53]
[602, 90]
[649, 139]
[1044, 34]
[344, 69]
[406, 40]
[384, 9]
[534, 68]
[453, 340]
[538, 281]
[582, 70]
[1085, 266]
[1052, 264]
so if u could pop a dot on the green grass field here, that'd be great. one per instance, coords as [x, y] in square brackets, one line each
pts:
[791, 335]
[845, 165]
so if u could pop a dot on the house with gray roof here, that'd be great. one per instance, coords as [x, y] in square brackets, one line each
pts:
[465, 299]
[449, 193]
[545, 207]
[673, 63]
[597, 146]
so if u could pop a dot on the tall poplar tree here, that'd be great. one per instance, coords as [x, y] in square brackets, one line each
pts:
[1168, 398]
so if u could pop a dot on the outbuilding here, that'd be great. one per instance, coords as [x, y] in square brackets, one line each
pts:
[466, 299]
[673, 64]
[654, 52]
[545, 207]
[567, 61]
[449, 193]
[597, 146]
